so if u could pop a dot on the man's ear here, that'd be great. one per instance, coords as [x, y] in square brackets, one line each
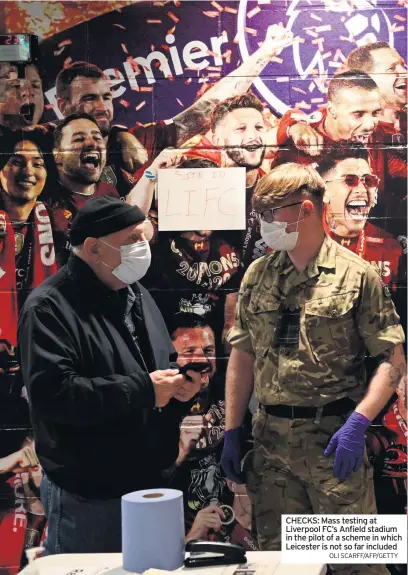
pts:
[308, 209]
[91, 248]
[64, 106]
[331, 108]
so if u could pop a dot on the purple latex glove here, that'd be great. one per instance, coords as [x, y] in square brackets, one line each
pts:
[231, 455]
[349, 442]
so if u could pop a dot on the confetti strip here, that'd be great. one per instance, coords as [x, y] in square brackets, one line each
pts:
[159, 4]
[154, 21]
[165, 47]
[277, 60]
[119, 26]
[180, 102]
[400, 18]
[217, 6]
[66, 42]
[146, 89]
[171, 78]
[315, 17]
[303, 105]
[67, 62]
[327, 55]
[251, 31]
[124, 48]
[295, 89]
[351, 39]
[124, 103]
[311, 33]
[335, 64]
[211, 14]
[283, 79]
[317, 100]
[173, 17]
[214, 68]
[231, 10]
[261, 2]
[171, 30]
[253, 12]
[139, 106]
[397, 28]
[188, 81]
[323, 28]
[214, 74]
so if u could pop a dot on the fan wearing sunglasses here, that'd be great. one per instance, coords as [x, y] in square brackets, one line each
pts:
[351, 192]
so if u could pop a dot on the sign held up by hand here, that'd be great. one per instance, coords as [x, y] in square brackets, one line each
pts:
[201, 199]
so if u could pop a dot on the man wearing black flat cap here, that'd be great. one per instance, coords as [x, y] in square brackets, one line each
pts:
[96, 357]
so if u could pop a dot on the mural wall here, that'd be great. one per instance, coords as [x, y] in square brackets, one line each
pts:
[187, 85]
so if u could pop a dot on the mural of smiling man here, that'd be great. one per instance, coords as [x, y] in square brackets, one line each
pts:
[351, 190]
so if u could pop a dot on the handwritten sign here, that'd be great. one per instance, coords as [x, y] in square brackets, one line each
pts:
[201, 199]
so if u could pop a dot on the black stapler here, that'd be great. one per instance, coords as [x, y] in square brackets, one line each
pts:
[211, 554]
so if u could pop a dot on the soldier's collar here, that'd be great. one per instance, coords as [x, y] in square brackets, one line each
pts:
[326, 258]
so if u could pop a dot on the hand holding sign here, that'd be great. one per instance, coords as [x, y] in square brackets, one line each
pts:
[201, 199]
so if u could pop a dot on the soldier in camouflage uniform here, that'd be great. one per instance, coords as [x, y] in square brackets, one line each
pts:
[307, 314]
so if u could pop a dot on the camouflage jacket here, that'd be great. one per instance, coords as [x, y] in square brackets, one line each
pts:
[310, 331]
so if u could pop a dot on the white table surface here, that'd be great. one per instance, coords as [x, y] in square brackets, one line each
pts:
[61, 564]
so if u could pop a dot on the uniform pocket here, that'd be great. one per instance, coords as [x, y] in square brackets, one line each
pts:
[330, 325]
[262, 318]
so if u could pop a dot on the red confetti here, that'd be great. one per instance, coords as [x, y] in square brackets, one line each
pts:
[124, 103]
[173, 17]
[165, 47]
[134, 65]
[171, 30]
[188, 81]
[171, 78]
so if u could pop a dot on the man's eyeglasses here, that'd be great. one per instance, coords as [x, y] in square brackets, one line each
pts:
[370, 181]
[268, 215]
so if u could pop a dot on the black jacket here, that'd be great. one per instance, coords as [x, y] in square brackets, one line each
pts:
[91, 401]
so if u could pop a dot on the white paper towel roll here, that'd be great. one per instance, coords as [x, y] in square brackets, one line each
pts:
[153, 530]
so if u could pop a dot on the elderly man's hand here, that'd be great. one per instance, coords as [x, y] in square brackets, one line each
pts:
[189, 388]
[166, 383]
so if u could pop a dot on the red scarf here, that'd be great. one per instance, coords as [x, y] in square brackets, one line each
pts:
[42, 266]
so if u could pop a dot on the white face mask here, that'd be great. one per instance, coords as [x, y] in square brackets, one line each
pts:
[276, 237]
[135, 261]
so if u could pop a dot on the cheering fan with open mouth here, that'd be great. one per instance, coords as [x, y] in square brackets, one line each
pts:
[21, 99]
